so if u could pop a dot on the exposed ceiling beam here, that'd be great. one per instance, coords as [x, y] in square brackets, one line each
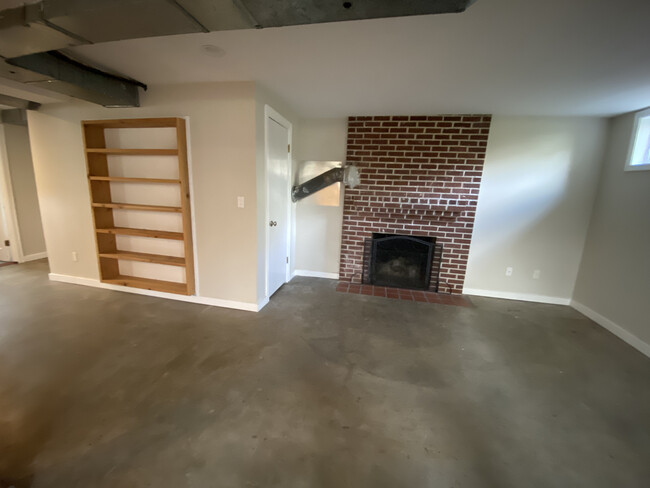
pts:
[28, 91]
[189, 15]
[23, 31]
[281, 13]
[18, 103]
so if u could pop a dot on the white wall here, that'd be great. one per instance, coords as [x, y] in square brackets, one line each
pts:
[538, 188]
[613, 285]
[318, 228]
[536, 198]
[21, 170]
[537, 193]
[223, 158]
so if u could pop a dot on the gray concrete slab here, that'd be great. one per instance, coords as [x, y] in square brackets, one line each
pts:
[320, 389]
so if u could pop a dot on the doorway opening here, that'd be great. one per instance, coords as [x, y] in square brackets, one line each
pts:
[21, 228]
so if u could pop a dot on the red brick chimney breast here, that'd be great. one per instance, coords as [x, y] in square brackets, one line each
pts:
[420, 175]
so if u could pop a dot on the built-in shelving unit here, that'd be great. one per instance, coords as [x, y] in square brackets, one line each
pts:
[107, 232]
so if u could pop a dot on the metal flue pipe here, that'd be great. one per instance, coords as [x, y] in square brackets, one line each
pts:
[349, 175]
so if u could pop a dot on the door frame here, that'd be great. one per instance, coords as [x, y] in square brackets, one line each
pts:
[271, 114]
[8, 203]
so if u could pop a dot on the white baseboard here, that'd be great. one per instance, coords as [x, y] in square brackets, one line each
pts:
[524, 297]
[614, 328]
[74, 280]
[34, 257]
[316, 274]
[214, 302]
[262, 303]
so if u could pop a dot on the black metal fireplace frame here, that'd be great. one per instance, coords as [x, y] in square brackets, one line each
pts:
[434, 258]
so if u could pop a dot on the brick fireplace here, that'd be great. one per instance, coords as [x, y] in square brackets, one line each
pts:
[420, 176]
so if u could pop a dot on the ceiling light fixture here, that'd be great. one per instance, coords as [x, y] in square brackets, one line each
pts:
[213, 51]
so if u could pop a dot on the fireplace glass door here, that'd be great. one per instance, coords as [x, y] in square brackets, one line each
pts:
[401, 261]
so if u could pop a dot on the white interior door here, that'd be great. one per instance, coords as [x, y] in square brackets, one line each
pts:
[6, 197]
[5, 251]
[277, 174]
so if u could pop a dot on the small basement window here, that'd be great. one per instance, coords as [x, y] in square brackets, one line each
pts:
[639, 153]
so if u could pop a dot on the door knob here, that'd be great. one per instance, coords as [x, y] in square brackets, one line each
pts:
[273, 223]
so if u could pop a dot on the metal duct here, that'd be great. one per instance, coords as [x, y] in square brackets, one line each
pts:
[349, 175]
[72, 78]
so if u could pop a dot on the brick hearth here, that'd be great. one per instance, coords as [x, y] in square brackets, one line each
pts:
[420, 175]
[408, 295]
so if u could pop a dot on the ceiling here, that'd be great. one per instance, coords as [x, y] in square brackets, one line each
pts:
[511, 57]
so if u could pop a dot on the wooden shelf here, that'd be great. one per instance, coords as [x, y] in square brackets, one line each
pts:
[123, 179]
[133, 152]
[148, 284]
[100, 185]
[133, 206]
[144, 257]
[150, 123]
[158, 234]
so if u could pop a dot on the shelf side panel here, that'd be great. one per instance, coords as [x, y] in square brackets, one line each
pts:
[100, 191]
[183, 173]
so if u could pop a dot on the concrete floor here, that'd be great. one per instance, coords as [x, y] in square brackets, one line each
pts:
[320, 389]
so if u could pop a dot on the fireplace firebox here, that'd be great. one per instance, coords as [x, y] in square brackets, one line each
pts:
[401, 261]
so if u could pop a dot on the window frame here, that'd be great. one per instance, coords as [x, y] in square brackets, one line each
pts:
[641, 114]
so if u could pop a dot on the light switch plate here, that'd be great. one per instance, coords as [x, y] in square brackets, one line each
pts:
[240, 202]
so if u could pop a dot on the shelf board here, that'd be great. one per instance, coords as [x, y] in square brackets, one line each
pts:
[132, 206]
[144, 257]
[123, 179]
[134, 123]
[159, 234]
[148, 284]
[133, 152]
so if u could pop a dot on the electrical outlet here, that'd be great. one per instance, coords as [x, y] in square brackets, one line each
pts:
[240, 202]
[509, 271]
[75, 258]
[536, 274]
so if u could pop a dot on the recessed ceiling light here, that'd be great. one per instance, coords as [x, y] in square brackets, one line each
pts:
[213, 51]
